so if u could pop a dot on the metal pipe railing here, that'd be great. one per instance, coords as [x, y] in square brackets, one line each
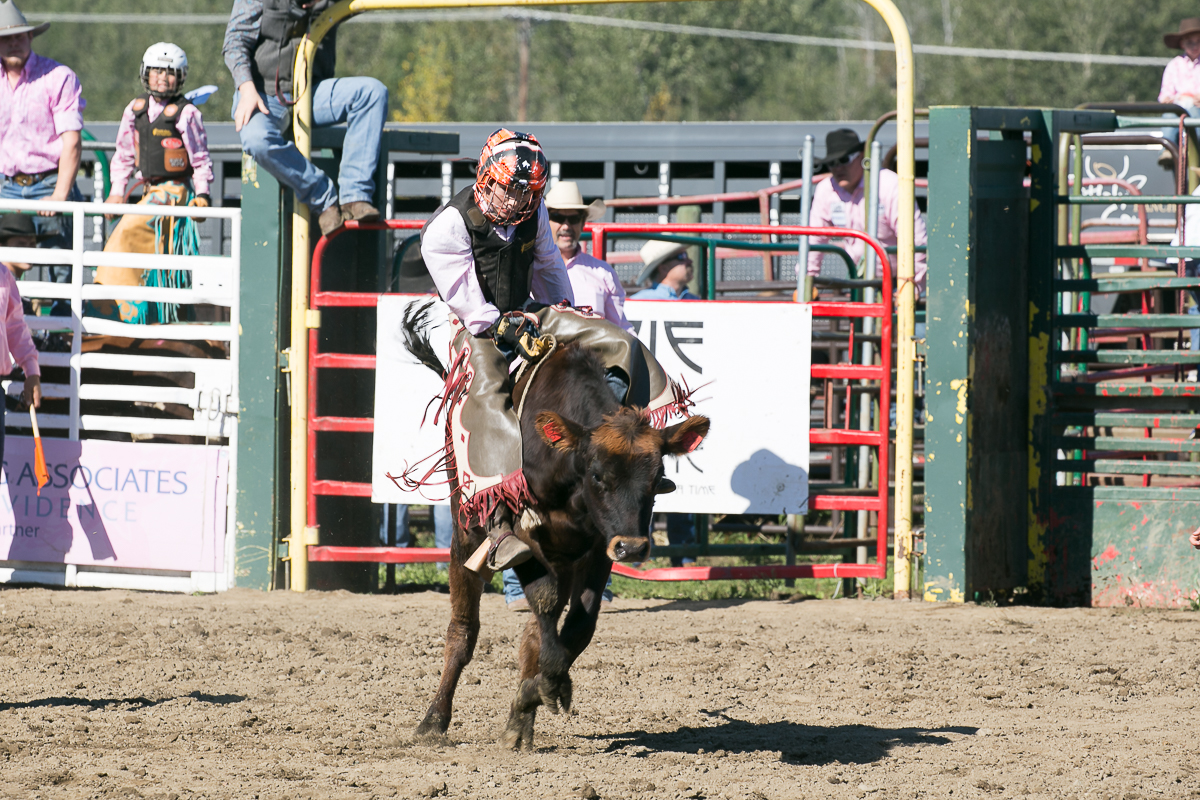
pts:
[301, 252]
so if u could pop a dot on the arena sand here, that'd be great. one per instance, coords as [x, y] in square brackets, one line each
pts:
[247, 695]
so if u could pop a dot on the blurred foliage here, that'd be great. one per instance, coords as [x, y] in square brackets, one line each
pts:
[468, 71]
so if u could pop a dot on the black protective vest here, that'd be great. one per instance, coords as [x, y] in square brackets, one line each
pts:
[161, 155]
[503, 268]
[283, 23]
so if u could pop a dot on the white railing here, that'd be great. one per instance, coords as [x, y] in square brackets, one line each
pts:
[215, 281]
[214, 396]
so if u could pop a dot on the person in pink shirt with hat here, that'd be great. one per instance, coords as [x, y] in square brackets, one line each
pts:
[839, 202]
[41, 116]
[595, 282]
[1181, 79]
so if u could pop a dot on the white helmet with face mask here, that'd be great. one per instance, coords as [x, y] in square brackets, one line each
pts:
[164, 55]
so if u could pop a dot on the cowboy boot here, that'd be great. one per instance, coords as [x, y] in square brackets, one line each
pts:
[501, 549]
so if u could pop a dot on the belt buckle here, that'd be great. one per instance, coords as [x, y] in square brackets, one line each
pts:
[23, 180]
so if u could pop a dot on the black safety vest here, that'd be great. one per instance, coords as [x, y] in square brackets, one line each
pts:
[504, 269]
[282, 25]
[161, 155]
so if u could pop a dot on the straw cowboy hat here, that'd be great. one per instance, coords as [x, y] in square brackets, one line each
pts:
[12, 21]
[1189, 25]
[839, 144]
[654, 253]
[565, 196]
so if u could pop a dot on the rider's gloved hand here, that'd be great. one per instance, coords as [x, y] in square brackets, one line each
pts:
[518, 332]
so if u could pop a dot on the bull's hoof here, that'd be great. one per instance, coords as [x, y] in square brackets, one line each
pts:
[434, 724]
[555, 693]
[518, 734]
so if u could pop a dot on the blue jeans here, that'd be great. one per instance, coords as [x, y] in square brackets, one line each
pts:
[513, 590]
[443, 527]
[681, 529]
[359, 102]
[59, 228]
[1172, 134]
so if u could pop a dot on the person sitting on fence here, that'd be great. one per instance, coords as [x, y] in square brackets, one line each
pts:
[162, 138]
[16, 343]
[839, 202]
[496, 266]
[39, 128]
[1181, 80]
[260, 51]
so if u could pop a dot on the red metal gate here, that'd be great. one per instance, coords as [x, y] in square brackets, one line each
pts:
[876, 501]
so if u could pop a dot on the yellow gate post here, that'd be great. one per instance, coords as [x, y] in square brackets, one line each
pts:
[300, 535]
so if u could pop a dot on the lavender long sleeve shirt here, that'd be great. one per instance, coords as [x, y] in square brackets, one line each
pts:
[446, 248]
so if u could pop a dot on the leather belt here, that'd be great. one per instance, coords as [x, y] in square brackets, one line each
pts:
[21, 179]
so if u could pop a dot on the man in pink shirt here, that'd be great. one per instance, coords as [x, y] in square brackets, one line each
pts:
[1181, 79]
[41, 115]
[839, 202]
[596, 284]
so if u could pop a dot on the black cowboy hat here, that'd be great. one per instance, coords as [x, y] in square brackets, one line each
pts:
[839, 144]
[18, 225]
[1186, 26]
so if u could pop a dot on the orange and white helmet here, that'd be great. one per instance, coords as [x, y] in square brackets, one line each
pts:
[511, 177]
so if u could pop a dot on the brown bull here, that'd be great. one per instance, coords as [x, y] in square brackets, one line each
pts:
[594, 467]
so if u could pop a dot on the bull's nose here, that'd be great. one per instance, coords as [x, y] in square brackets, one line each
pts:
[629, 549]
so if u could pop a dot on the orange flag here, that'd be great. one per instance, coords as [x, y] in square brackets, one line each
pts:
[39, 455]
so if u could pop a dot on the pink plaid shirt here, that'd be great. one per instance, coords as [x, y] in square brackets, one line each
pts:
[833, 206]
[596, 284]
[191, 130]
[1182, 76]
[34, 114]
[16, 345]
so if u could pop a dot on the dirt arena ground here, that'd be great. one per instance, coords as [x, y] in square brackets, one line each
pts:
[244, 695]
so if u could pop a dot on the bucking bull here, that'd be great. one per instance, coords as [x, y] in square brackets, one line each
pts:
[593, 467]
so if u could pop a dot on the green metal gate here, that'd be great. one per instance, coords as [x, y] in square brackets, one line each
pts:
[1059, 460]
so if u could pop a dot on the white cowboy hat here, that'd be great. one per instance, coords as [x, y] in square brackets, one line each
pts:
[12, 21]
[565, 196]
[654, 253]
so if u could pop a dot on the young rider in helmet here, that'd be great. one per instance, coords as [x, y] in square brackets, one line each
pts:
[162, 139]
[494, 262]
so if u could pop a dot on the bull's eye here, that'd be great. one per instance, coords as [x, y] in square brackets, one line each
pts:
[597, 481]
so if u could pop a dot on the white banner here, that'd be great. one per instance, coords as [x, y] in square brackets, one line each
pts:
[749, 363]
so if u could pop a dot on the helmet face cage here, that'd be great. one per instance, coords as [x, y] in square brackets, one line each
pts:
[168, 57]
[510, 178]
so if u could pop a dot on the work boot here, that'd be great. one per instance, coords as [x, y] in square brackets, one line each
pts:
[330, 220]
[360, 211]
[1166, 159]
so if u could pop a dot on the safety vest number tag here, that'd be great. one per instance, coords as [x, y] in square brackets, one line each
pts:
[175, 158]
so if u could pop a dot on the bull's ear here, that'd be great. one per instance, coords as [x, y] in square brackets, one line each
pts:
[684, 437]
[559, 433]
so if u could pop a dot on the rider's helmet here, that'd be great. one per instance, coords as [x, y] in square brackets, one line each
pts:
[164, 55]
[510, 177]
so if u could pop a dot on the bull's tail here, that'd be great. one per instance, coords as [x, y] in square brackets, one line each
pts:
[416, 338]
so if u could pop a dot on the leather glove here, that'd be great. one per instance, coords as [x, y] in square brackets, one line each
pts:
[200, 201]
[519, 332]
